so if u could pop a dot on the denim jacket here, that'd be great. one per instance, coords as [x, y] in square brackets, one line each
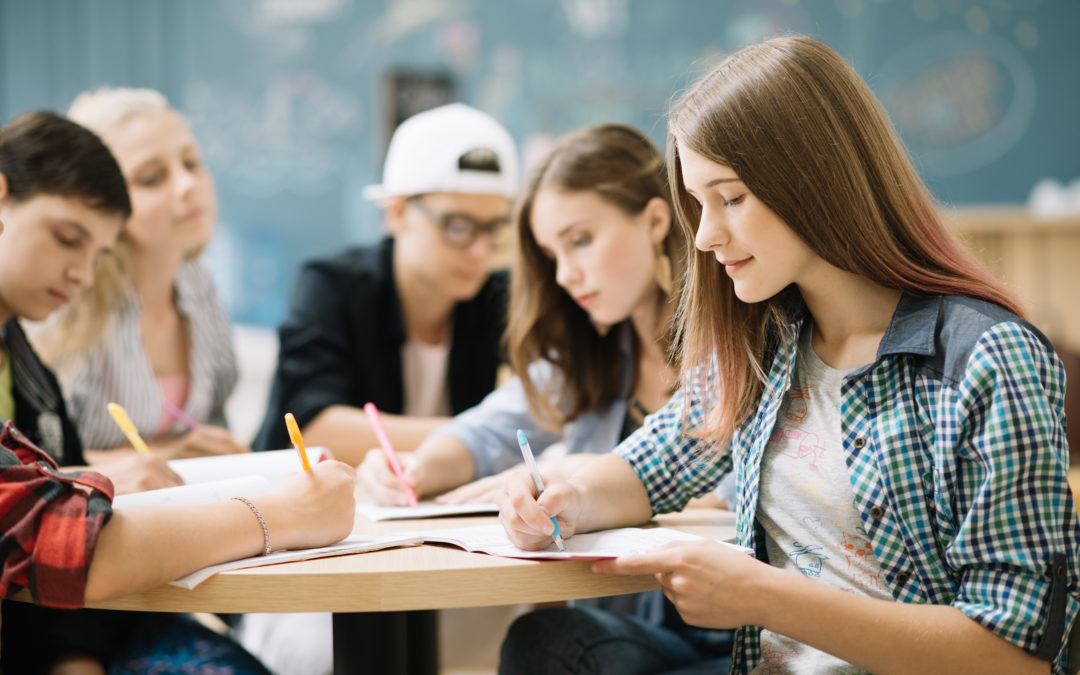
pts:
[489, 429]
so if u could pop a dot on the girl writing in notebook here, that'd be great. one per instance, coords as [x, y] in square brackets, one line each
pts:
[592, 297]
[589, 332]
[895, 427]
[151, 333]
[63, 204]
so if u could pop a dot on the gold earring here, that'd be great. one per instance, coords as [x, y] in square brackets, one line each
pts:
[662, 271]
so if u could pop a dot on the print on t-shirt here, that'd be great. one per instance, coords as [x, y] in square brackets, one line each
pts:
[806, 507]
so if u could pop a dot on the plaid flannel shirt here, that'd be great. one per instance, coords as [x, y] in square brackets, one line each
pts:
[955, 447]
[50, 523]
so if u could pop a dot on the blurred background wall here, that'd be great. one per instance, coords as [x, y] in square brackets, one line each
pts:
[293, 100]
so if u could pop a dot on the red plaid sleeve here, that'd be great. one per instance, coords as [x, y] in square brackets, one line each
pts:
[49, 523]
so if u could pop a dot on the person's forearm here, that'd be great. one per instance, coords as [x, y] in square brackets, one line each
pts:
[886, 637]
[447, 464]
[346, 431]
[563, 467]
[614, 495]
[145, 547]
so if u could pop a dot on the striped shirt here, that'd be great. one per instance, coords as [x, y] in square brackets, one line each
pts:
[954, 443]
[116, 368]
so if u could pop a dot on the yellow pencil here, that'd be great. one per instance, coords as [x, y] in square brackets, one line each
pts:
[297, 439]
[124, 422]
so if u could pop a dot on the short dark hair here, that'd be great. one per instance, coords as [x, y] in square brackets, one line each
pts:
[42, 152]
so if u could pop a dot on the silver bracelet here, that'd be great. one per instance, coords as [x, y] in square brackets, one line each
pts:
[262, 523]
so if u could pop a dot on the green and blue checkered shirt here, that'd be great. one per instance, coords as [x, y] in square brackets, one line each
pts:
[954, 439]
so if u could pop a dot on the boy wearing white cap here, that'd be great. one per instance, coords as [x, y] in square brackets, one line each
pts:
[412, 324]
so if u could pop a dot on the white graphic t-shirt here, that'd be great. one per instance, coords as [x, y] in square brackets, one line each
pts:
[806, 507]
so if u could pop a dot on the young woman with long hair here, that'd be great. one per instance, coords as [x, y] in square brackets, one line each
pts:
[589, 332]
[896, 428]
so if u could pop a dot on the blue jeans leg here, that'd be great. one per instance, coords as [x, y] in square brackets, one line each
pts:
[587, 641]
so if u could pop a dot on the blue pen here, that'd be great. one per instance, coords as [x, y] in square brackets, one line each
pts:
[526, 452]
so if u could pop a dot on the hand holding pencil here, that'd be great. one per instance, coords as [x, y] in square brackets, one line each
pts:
[376, 471]
[297, 440]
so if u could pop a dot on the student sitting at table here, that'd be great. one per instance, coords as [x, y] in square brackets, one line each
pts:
[896, 428]
[589, 332]
[413, 323]
[63, 542]
[151, 333]
[63, 204]
[592, 296]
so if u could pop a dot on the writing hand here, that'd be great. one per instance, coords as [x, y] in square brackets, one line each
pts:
[311, 508]
[203, 441]
[527, 520]
[380, 483]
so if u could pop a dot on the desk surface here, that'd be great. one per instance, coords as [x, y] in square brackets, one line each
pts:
[418, 577]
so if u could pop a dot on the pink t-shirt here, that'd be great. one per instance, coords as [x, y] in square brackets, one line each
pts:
[174, 389]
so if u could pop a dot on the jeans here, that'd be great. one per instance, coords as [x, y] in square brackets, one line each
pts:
[597, 642]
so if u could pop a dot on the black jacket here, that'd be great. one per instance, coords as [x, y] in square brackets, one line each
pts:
[341, 342]
[40, 411]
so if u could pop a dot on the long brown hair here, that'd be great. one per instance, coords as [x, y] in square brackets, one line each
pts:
[624, 168]
[807, 137]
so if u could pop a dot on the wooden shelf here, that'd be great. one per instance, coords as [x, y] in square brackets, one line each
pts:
[1037, 257]
[1008, 219]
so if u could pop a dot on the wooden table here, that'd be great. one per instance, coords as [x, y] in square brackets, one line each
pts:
[374, 595]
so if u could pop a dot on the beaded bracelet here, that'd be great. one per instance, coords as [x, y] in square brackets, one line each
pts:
[266, 531]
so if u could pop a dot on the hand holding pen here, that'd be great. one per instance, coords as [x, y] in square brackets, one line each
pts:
[538, 483]
[389, 454]
[532, 515]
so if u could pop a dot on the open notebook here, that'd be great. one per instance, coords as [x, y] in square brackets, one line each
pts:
[352, 544]
[215, 479]
[492, 539]
[489, 539]
[426, 510]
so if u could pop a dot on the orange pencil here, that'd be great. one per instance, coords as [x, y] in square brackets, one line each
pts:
[297, 440]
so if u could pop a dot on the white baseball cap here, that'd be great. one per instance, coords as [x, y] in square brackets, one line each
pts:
[437, 151]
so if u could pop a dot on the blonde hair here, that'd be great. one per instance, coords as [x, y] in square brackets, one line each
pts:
[106, 109]
[81, 322]
[807, 137]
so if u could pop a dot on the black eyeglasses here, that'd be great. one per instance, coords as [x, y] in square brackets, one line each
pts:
[460, 230]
